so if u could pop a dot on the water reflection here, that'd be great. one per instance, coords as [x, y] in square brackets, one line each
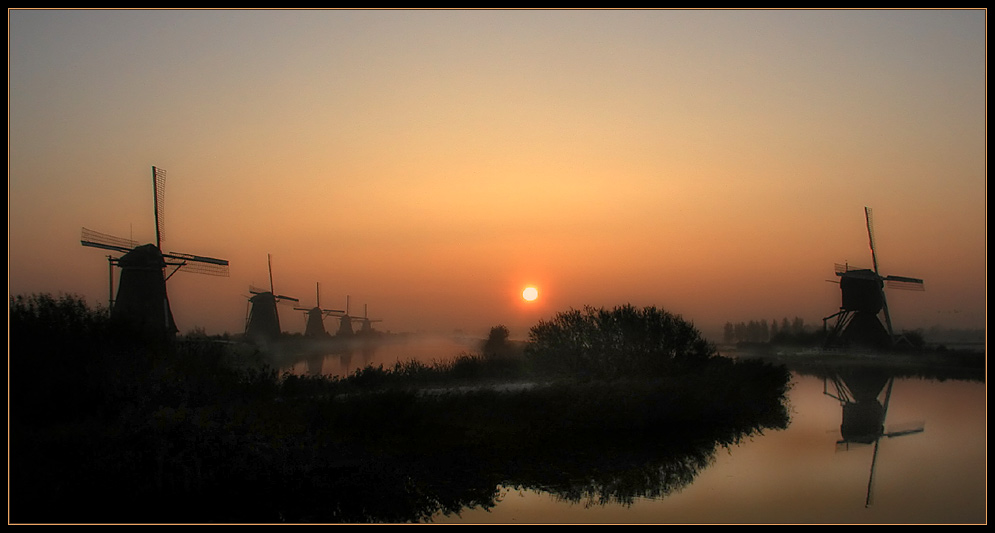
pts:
[407, 457]
[801, 475]
[860, 391]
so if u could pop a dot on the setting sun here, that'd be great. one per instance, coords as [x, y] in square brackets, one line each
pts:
[530, 293]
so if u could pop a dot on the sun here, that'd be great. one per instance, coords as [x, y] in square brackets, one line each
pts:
[530, 293]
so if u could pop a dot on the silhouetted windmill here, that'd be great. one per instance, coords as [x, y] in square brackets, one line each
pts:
[345, 322]
[859, 391]
[366, 322]
[863, 299]
[142, 304]
[315, 316]
[263, 320]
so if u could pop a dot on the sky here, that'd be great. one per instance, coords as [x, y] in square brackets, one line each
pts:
[428, 165]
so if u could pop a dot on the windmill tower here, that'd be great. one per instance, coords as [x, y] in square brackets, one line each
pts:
[263, 320]
[142, 304]
[315, 316]
[863, 300]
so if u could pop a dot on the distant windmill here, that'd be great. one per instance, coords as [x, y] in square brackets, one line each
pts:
[345, 322]
[367, 323]
[864, 413]
[263, 320]
[863, 299]
[315, 316]
[142, 304]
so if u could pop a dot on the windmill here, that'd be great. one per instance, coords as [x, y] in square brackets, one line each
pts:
[864, 413]
[367, 323]
[315, 316]
[263, 320]
[345, 322]
[142, 304]
[863, 299]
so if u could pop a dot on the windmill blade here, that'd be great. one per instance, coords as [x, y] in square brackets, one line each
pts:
[902, 433]
[280, 297]
[196, 258]
[868, 215]
[256, 290]
[159, 194]
[269, 265]
[96, 239]
[209, 269]
[198, 264]
[902, 282]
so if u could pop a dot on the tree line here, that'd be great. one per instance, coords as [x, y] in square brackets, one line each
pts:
[764, 331]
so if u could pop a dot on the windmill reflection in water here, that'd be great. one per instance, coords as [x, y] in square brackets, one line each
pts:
[859, 391]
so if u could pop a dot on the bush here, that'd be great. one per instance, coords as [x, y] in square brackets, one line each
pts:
[624, 341]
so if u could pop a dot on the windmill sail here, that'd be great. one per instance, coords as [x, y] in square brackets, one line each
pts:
[902, 282]
[159, 196]
[198, 264]
[868, 215]
[104, 241]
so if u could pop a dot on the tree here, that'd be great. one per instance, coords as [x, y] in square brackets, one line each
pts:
[612, 343]
[496, 344]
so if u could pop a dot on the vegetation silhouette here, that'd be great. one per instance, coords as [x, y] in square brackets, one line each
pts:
[192, 431]
[497, 343]
[601, 343]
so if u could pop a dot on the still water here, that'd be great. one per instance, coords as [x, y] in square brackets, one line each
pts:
[927, 465]
[800, 475]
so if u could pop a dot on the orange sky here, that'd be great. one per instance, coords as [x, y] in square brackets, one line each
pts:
[431, 164]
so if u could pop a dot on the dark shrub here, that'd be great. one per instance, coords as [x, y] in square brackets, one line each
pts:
[624, 341]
